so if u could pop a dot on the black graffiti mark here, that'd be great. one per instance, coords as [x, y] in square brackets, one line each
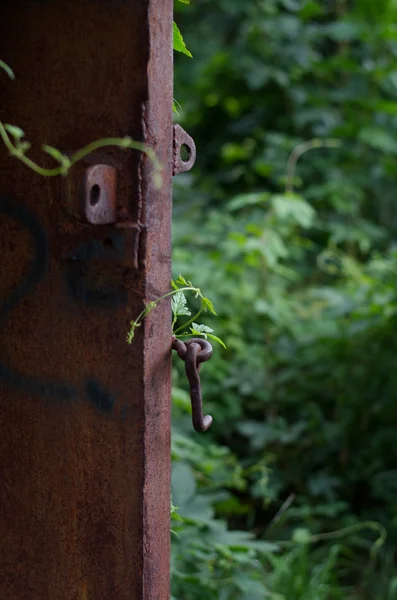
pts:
[38, 265]
[28, 281]
[50, 389]
[92, 274]
[101, 398]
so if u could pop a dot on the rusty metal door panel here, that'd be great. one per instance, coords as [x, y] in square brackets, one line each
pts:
[85, 418]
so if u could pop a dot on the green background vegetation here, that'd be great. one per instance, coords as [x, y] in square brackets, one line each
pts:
[292, 494]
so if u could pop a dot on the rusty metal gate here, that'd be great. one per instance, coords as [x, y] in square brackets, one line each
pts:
[85, 418]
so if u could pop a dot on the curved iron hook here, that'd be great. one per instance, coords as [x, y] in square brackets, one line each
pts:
[193, 352]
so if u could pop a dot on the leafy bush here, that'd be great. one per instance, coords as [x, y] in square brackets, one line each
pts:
[301, 264]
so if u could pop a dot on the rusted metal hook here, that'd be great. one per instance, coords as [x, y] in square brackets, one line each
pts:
[193, 352]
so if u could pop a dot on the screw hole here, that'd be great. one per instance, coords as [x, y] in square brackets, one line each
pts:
[95, 194]
[185, 153]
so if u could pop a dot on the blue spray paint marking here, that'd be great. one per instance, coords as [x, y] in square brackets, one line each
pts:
[99, 396]
[48, 389]
[57, 390]
[38, 265]
[99, 287]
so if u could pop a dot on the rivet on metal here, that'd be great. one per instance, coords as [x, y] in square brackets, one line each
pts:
[100, 195]
[193, 352]
[183, 142]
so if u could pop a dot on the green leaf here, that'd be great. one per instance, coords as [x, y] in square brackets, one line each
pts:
[184, 1]
[244, 200]
[175, 106]
[293, 208]
[8, 69]
[379, 138]
[271, 246]
[178, 305]
[24, 146]
[179, 43]
[206, 332]
[195, 328]
[15, 131]
[207, 304]
[302, 536]
[183, 484]
[182, 281]
[181, 399]
[373, 12]
[343, 31]
[56, 154]
[216, 339]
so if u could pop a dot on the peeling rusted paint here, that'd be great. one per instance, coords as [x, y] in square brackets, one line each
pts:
[85, 418]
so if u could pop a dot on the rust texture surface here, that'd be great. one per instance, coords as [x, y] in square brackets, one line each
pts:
[85, 418]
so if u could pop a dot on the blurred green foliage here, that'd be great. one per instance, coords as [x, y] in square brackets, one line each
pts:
[289, 495]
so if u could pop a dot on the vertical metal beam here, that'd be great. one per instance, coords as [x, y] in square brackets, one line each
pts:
[158, 212]
[84, 418]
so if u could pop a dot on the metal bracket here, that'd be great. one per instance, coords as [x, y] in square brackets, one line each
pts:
[100, 207]
[100, 191]
[183, 142]
[100, 194]
[100, 182]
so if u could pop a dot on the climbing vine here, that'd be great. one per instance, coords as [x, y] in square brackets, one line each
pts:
[14, 140]
[180, 309]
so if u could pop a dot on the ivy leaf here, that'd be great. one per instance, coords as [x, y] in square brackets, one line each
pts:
[24, 146]
[179, 43]
[175, 106]
[206, 332]
[301, 536]
[57, 155]
[216, 339]
[15, 131]
[207, 304]
[8, 69]
[201, 329]
[182, 281]
[178, 305]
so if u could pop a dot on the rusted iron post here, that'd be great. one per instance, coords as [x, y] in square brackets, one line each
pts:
[85, 418]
